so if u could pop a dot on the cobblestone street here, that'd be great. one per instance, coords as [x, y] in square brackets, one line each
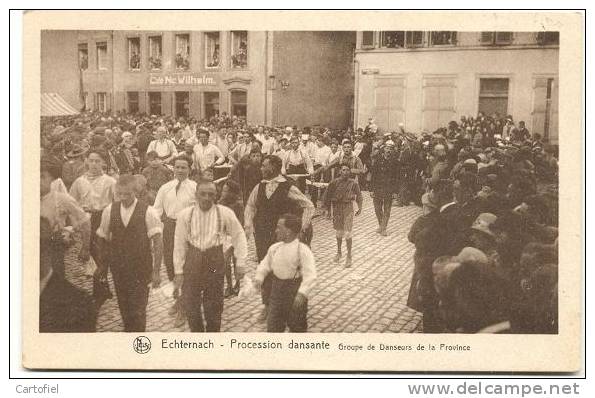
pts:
[368, 297]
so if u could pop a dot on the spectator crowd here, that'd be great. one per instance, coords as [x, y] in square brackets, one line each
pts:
[486, 247]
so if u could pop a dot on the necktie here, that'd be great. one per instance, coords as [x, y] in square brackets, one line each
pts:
[178, 186]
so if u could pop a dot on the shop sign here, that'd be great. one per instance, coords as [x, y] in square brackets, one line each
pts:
[182, 79]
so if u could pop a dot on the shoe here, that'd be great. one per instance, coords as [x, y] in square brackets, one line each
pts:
[379, 230]
[180, 320]
[338, 257]
[383, 232]
[228, 292]
[348, 262]
[174, 308]
[236, 288]
[262, 317]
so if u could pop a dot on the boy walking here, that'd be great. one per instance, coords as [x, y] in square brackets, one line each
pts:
[341, 193]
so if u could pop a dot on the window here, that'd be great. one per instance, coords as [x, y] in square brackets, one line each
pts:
[394, 39]
[489, 38]
[212, 49]
[132, 101]
[134, 53]
[182, 103]
[101, 103]
[155, 103]
[101, 55]
[414, 39]
[438, 102]
[239, 103]
[83, 56]
[368, 39]
[183, 51]
[545, 38]
[239, 49]
[211, 101]
[493, 96]
[443, 38]
[401, 39]
[155, 52]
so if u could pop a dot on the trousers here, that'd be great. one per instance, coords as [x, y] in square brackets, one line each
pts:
[281, 312]
[169, 230]
[382, 207]
[202, 288]
[133, 296]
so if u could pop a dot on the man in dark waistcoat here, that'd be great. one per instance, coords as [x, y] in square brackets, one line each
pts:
[132, 245]
[385, 172]
[270, 199]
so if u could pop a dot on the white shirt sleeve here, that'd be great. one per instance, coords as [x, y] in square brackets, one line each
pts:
[238, 238]
[153, 223]
[104, 227]
[308, 269]
[180, 239]
[265, 266]
[158, 205]
[250, 209]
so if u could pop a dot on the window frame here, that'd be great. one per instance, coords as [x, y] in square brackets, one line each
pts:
[494, 40]
[453, 35]
[97, 63]
[160, 102]
[206, 47]
[231, 49]
[101, 94]
[511, 82]
[205, 103]
[140, 59]
[149, 52]
[175, 52]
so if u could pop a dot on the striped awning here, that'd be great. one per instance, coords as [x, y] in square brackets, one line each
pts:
[52, 104]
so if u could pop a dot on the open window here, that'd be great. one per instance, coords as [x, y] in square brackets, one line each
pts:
[368, 39]
[212, 49]
[134, 53]
[132, 97]
[443, 38]
[155, 52]
[239, 103]
[182, 60]
[239, 49]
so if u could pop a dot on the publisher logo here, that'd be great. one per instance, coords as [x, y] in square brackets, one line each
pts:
[141, 344]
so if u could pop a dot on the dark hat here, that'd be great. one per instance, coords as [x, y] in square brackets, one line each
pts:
[77, 151]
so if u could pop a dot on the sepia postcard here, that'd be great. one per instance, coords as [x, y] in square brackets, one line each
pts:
[339, 191]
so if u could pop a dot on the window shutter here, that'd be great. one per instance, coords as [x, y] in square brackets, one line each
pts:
[503, 37]
[367, 39]
[487, 37]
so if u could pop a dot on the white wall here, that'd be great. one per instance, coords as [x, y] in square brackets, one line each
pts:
[520, 65]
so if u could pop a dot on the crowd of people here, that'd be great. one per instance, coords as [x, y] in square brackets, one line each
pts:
[144, 190]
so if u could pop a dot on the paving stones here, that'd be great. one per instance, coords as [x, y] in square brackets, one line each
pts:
[368, 297]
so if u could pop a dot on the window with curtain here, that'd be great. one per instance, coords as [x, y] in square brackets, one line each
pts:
[239, 49]
[212, 49]
[155, 52]
[183, 51]
[134, 53]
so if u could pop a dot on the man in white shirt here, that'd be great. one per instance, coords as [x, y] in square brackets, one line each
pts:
[292, 269]
[270, 199]
[297, 161]
[207, 154]
[198, 256]
[173, 197]
[130, 233]
[165, 148]
[268, 142]
[94, 191]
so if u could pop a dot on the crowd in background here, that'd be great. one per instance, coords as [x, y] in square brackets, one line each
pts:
[486, 244]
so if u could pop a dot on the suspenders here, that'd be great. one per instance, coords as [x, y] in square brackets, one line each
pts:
[219, 233]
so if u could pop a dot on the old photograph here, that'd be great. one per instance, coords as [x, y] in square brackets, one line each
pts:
[323, 182]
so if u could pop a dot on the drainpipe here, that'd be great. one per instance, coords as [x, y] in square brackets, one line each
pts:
[113, 64]
[356, 95]
[266, 78]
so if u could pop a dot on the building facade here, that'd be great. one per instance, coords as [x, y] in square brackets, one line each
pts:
[425, 79]
[272, 78]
